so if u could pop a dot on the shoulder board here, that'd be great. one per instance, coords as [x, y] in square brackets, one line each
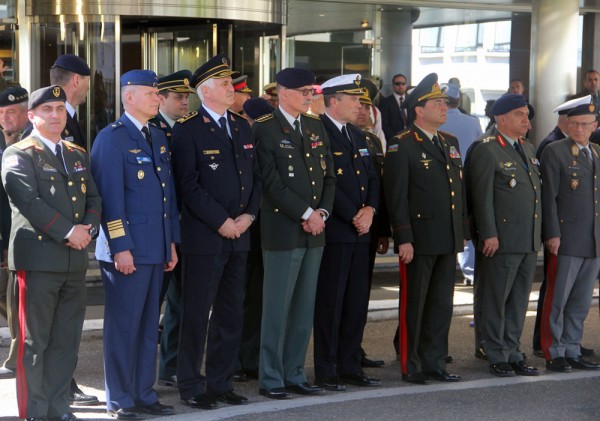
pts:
[595, 147]
[28, 143]
[71, 146]
[151, 122]
[116, 125]
[488, 139]
[188, 116]
[316, 117]
[238, 115]
[446, 134]
[264, 118]
[403, 134]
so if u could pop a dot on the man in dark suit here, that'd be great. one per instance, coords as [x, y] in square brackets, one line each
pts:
[56, 212]
[72, 73]
[571, 231]
[298, 190]
[505, 196]
[591, 86]
[393, 115]
[342, 298]
[214, 163]
[424, 192]
[136, 245]
[174, 91]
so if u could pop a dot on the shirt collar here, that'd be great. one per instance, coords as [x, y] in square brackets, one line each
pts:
[215, 116]
[291, 119]
[337, 123]
[510, 139]
[169, 121]
[50, 144]
[429, 135]
[135, 122]
[70, 109]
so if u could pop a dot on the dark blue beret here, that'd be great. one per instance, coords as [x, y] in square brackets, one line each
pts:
[44, 95]
[176, 82]
[255, 107]
[294, 77]
[139, 77]
[73, 63]
[427, 89]
[508, 102]
[13, 95]
[217, 67]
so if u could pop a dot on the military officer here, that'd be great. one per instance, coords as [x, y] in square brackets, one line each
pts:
[241, 94]
[424, 192]
[55, 213]
[342, 298]
[505, 196]
[298, 189]
[174, 91]
[571, 231]
[72, 73]
[140, 226]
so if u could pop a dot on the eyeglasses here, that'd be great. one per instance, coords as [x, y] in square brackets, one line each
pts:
[305, 92]
[399, 83]
[575, 124]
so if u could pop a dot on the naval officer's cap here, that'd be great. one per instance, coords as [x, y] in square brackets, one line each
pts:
[345, 84]
[13, 95]
[577, 106]
[176, 82]
[48, 94]
[217, 67]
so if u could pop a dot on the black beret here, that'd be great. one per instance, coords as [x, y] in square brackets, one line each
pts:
[73, 63]
[44, 95]
[13, 95]
[176, 82]
[217, 67]
[255, 107]
[508, 102]
[427, 89]
[294, 77]
[139, 77]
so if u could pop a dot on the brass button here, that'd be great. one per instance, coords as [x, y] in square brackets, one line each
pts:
[315, 197]
[452, 193]
[275, 210]
[240, 172]
[163, 184]
[450, 179]
[76, 215]
[307, 155]
[313, 183]
[40, 237]
[241, 205]
[290, 156]
[448, 167]
[164, 199]
[362, 188]
[82, 179]
[535, 215]
[418, 215]
[74, 199]
[157, 168]
[165, 215]
[310, 169]
[355, 156]
[242, 188]
[453, 207]
[51, 177]
[70, 183]
[358, 172]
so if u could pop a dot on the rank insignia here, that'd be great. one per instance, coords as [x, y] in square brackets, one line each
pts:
[323, 163]
[140, 174]
[214, 166]
[574, 183]
[115, 229]
[501, 141]
[135, 150]
[162, 125]
[417, 137]
[290, 168]
[454, 153]
[340, 171]
[52, 190]
[512, 183]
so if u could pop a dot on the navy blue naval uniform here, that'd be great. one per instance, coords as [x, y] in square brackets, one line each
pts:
[140, 214]
[215, 181]
[342, 297]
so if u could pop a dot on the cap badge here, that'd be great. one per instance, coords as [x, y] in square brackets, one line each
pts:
[11, 98]
[56, 92]
[592, 108]
[186, 82]
[357, 80]
[224, 60]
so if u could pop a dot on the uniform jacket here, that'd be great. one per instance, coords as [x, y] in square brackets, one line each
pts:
[297, 173]
[505, 194]
[424, 193]
[138, 195]
[46, 203]
[73, 132]
[215, 180]
[381, 222]
[392, 118]
[555, 134]
[570, 198]
[357, 183]
[160, 122]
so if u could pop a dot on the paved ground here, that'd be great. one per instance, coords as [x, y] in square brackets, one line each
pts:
[479, 396]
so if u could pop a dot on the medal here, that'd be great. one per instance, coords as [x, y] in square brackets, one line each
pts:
[83, 188]
[574, 183]
[512, 183]
[323, 164]
[140, 174]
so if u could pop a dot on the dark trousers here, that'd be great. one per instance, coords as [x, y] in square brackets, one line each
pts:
[477, 294]
[426, 301]
[537, 327]
[341, 307]
[169, 340]
[215, 282]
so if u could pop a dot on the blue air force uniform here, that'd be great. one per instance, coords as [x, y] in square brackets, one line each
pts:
[140, 215]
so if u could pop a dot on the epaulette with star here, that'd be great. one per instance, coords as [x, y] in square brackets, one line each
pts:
[28, 143]
[402, 135]
[238, 115]
[316, 117]
[488, 139]
[116, 125]
[263, 118]
[71, 146]
[188, 116]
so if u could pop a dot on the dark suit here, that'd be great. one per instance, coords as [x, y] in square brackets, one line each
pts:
[47, 201]
[160, 122]
[570, 211]
[424, 193]
[393, 119]
[140, 215]
[215, 180]
[297, 173]
[342, 298]
[74, 133]
[505, 194]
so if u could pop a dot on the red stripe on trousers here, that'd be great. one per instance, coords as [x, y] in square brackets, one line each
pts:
[21, 377]
[546, 335]
[403, 336]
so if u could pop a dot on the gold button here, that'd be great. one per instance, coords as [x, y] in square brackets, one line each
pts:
[357, 171]
[535, 215]
[452, 193]
[315, 197]
[241, 205]
[355, 156]
[242, 188]
[164, 199]
[310, 169]
[275, 210]
[452, 207]
[163, 184]
[418, 215]
[313, 183]
[70, 183]
[157, 168]
[52, 178]
[362, 188]
[450, 179]
[448, 167]
[289, 156]
[240, 172]
[212, 157]
[82, 179]
[307, 155]
[74, 199]
[165, 215]
[76, 215]
[40, 237]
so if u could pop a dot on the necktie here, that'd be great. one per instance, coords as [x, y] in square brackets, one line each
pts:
[223, 124]
[520, 151]
[297, 127]
[147, 135]
[347, 135]
[586, 153]
[436, 142]
[75, 117]
[59, 156]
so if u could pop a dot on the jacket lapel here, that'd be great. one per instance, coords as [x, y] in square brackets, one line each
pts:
[428, 145]
[50, 157]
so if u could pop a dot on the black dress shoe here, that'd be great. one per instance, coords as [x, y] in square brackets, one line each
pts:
[333, 384]
[64, 417]
[480, 353]
[275, 393]
[78, 398]
[7, 373]
[442, 376]
[232, 398]
[582, 364]
[369, 363]
[587, 352]
[304, 389]
[416, 378]
[522, 369]
[360, 379]
[170, 381]
[502, 370]
[559, 364]
[156, 408]
[130, 414]
[201, 401]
